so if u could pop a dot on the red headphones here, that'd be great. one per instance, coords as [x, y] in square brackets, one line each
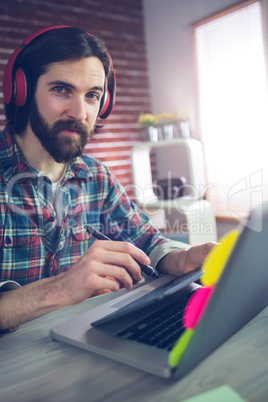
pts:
[15, 83]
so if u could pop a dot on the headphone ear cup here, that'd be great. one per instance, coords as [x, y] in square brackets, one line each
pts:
[8, 81]
[20, 88]
[108, 99]
[103, 102]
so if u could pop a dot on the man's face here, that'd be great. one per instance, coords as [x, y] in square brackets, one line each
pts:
[64, 111]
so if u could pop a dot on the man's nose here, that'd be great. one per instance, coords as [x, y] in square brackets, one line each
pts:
[77, 109]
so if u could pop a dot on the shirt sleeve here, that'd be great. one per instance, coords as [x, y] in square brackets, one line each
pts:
[4, 287]
[8, 285]
[163, 249]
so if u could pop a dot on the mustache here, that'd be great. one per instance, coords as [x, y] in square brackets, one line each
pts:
[71, 125]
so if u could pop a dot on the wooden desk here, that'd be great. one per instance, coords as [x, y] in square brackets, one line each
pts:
[35, 368]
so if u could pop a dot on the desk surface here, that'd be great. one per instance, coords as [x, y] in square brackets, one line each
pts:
[35, 368]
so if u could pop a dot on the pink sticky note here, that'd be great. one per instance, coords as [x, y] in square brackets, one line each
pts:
[195, 307]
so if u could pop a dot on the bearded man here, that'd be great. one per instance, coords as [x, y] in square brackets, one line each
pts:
[55, 87]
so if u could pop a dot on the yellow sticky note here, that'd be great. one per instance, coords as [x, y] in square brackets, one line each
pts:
[216, 259]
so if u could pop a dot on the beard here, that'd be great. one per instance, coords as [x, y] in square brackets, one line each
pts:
[60, 146]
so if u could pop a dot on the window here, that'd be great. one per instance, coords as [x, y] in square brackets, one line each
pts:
[233, 108]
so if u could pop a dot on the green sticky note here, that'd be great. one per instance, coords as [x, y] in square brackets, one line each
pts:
[179, 348]
[220, 394]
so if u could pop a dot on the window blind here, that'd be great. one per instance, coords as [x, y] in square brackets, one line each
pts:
[233, 108]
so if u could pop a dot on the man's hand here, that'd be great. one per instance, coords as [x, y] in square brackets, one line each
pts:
[181, 261]
[105, 265]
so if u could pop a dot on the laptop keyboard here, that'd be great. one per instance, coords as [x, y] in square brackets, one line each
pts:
[161, 328]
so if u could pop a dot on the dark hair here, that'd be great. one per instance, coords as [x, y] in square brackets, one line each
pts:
[53, 46]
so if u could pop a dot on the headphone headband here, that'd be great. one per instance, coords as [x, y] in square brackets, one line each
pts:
[15, 82]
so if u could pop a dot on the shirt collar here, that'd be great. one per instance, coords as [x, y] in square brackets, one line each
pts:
[78, 168]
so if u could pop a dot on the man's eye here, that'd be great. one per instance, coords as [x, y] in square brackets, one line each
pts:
[60, 90]
[93, 97]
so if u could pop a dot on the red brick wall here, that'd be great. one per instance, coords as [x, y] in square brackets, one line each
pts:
[120, 24]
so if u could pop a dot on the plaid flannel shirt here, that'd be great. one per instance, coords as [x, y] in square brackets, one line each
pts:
[35, 244]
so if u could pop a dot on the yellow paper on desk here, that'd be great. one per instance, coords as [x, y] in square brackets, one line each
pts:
[220, 394]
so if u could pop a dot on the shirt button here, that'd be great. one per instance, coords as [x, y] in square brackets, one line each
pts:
[8, 240]
[51, 219]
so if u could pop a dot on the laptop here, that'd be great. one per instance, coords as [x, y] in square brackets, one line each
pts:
[115, 328]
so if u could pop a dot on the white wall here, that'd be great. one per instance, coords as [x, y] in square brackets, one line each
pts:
[170, 51]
